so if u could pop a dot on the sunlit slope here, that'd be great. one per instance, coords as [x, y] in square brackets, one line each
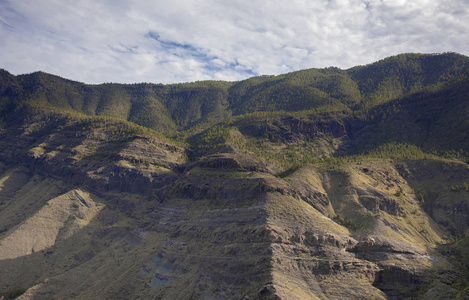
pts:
[317, 184]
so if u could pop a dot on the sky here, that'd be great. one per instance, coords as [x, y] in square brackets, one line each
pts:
[170, 41]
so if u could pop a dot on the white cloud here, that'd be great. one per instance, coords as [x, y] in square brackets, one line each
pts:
[187, 40]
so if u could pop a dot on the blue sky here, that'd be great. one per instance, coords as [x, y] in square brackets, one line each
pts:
[128, 41]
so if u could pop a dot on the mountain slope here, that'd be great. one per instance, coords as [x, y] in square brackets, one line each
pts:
[395, 76]
[177, 106]
[317, 184]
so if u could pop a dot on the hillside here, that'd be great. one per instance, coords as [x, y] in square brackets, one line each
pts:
[317, 184]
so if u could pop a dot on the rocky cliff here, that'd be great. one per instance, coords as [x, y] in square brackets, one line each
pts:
[138, 221]
[367, 199]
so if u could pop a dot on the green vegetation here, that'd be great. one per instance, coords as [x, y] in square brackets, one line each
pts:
[395, 76]
[12, 293]
[303, 117]
[180, 106]
[345, 222]
[199, 182]
[288, 120]
[399, 151]
[457, 187]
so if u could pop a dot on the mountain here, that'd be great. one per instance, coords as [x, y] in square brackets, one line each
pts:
[316, 184]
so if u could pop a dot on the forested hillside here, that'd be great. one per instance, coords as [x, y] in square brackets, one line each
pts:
[316, 184]
[176, 107]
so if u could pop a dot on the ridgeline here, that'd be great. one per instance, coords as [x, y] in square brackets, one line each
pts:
[316, 184]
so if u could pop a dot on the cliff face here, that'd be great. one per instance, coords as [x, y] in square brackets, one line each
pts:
[110, 226]
[389, 246]
[325, 184]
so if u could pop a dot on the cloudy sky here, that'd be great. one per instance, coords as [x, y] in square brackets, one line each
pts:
[167, 41]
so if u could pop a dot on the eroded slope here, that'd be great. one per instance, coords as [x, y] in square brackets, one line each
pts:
[268, 204]
[362, 230]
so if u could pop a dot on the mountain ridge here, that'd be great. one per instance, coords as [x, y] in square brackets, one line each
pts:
[316, 184]
[358, 84]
